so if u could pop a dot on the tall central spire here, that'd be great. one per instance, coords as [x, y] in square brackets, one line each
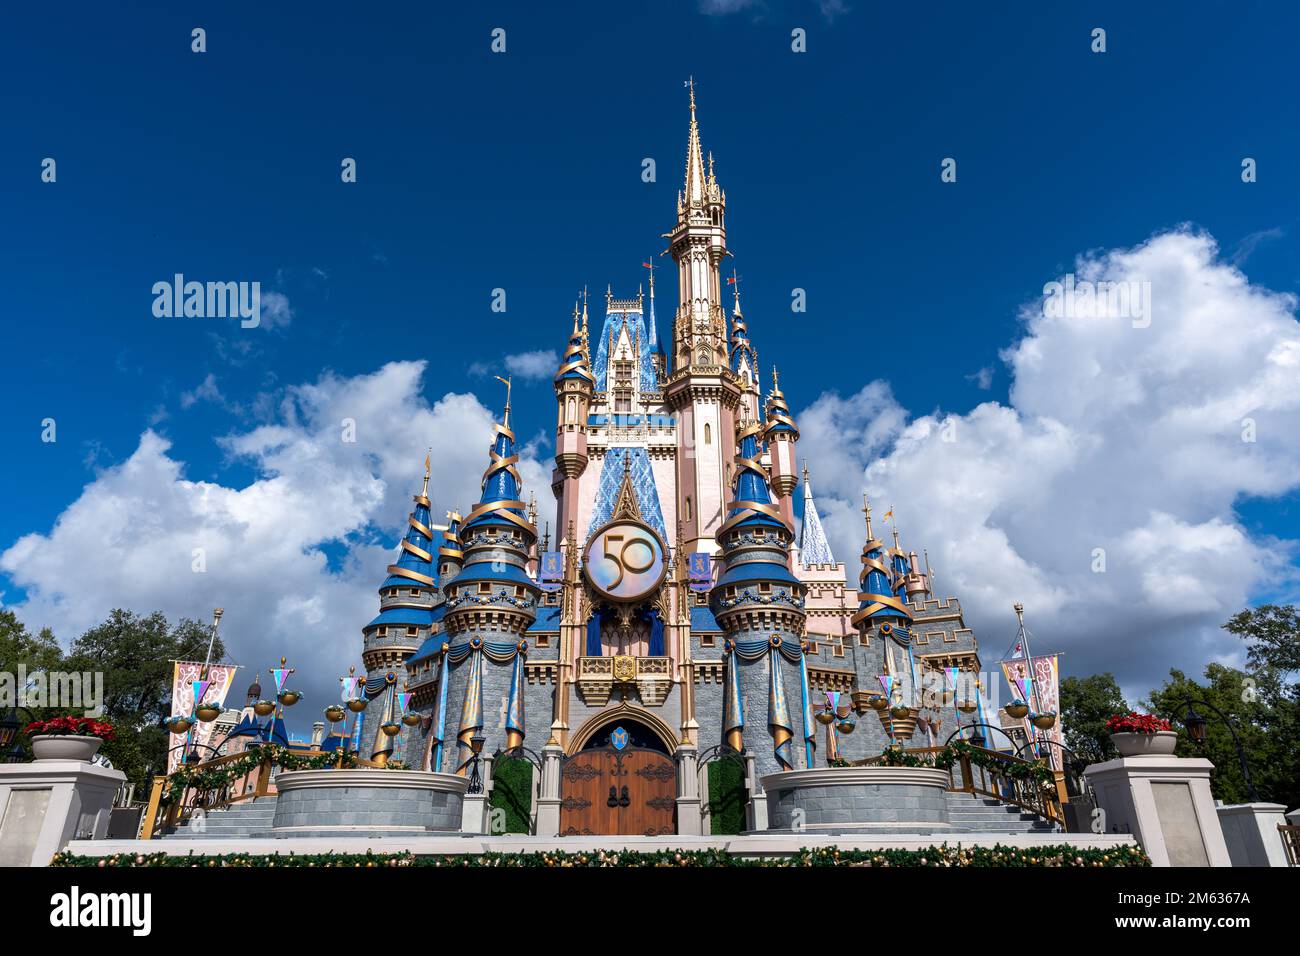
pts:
[698, 243]
[694, 158]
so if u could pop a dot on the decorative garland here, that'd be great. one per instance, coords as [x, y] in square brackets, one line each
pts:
[1056, 855]
[214, 778]
[1037, 770]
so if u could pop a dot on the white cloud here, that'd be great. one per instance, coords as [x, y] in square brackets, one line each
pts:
[1117, 438]
[129, 539]
[205, 391]
[276, 311]
[526, 366]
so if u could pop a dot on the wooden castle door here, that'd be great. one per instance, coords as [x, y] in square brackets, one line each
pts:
[607, 790]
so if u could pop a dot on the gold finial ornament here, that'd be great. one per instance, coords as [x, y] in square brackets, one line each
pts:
[506, 382]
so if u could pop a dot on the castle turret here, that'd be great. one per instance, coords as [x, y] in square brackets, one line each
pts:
[703, 391]
[408, 617]
[407, 596]
[782, 437]
[744, 358]
[814, 548]
[698, 243]
[489, 606]
[760, 606]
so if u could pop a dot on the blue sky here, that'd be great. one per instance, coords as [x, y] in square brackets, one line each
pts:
[522, 171]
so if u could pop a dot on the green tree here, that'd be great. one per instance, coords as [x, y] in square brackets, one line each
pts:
[1266, 730]
[17, 646]
[135, 654]
[1086, 703]
[1272, 636]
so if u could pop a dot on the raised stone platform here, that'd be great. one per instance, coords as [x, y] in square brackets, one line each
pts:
[369, 803]
[844, 799]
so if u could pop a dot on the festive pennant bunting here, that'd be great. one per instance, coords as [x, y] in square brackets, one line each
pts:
[279, 673]
[404, 701]
[887, 682]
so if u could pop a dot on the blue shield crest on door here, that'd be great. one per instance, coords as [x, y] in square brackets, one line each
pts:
[618, 738]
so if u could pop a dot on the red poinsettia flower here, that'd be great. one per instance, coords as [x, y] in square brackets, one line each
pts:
[1134, 723]
[78, 726]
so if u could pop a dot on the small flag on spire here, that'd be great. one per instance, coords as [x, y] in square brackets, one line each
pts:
[647, 265]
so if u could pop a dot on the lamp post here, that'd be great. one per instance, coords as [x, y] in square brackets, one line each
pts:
[475, 780]
[1196, 727]
[9, 728]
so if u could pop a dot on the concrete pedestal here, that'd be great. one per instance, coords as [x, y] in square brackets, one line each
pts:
[1165, 802]
[689, 821]
[548, 794]
[45, 804]
[1250, 831]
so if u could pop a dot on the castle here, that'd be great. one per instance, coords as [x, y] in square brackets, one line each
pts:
[679, 618]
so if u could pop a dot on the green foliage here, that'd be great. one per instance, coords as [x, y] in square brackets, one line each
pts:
[937, 856]
[1272, 634]
[1086, 704]
[512, 791]
[135, 655]
[726, 796]
[1267, 731]
[17, 646]
[205, 778]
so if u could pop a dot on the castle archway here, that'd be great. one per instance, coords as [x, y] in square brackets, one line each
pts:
[619, 777]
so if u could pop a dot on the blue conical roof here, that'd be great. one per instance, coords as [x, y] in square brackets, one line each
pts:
[416, 565]
[880, 586]
[500, 503]
[574, 365]
[751, 487]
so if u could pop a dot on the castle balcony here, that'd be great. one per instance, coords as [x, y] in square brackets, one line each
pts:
[598, 676]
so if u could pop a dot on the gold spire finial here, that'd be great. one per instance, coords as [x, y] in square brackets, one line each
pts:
[506, 382]
[735, 288]
[776, 381]
[866, 510]
[424, 492]
[690, 85]
[651, 266]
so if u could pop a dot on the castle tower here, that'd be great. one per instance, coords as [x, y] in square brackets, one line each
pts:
[407, 596]
[408, 616]
[489, 606]
[698, 243]
[883, 613]
[450, 556]
[782, 436]
[703, 390]
[814, 548]
[759, 605]
[574, 385]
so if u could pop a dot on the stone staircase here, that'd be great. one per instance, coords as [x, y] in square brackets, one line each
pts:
[986, 815]
[236, 822]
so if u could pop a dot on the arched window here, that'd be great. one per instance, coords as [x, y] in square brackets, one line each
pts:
[571, 411]
[708, 434]
[688, 508]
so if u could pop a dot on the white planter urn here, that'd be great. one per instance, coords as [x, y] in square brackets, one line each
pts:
[1159, 744]
[65, 747]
